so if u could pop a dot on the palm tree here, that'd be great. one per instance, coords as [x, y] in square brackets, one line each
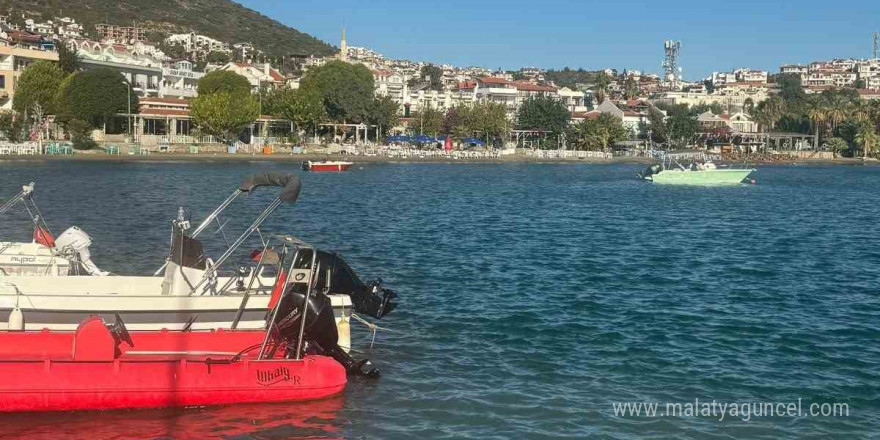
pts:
[816, 113]
[836, 106]
[859, 111]
[874, 112]
[769, 111]
[868, 140]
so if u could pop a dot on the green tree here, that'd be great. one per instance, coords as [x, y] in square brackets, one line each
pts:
[630, 88]
[859, 111]
[383, 112]
[224, 80]
[489, 120]
[302, 108]
[217, 57]
[600, 87]
[81, 134]
[94, 96]
[224, 114]
[816, 113]
[11, 127]
[430, 121]
[657, 126]
[346, 89]
[455, 122]
[792, 92]
[709, 85]
[681, 129]
[599, 133]
[434, 76]
[836, 145]
[868, 140]
[38, 85]
[543, 113]
[770, 111]
[849, 129]
[68, 58]
[836, 105]
[175, 51]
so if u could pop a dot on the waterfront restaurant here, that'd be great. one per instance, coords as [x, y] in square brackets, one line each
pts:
[166, 121]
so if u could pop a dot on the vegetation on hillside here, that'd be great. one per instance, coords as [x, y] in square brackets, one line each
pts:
[223, 20]
[570, 78]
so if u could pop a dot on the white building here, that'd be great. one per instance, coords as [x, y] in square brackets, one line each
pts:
[138, 63]
[259, 75]
[869, 72]
[195, 43]
[179, 80]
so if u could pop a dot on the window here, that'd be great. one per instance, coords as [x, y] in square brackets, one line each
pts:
[3, 82]
[183, 127]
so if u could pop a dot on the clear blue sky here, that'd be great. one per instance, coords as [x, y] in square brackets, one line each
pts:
[591, 34]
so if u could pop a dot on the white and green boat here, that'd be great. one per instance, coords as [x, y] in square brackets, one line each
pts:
[698, 173]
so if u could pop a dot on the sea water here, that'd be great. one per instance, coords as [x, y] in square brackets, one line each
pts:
[534, 298]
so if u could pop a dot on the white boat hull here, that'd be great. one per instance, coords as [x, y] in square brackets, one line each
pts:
[61, 303]
[719, 176]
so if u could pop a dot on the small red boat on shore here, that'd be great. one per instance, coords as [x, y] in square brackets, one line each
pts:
[326, 165]
[103, 367]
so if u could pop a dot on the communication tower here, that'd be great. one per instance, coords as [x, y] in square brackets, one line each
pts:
[672, 71]
[876, 44]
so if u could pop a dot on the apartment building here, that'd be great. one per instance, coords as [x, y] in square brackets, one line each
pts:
[13, 60]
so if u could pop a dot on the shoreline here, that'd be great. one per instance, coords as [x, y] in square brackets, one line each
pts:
[291, 158]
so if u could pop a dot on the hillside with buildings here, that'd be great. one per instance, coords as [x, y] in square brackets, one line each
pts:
[222, 20]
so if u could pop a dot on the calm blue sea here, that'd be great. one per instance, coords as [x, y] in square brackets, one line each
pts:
[533, 296]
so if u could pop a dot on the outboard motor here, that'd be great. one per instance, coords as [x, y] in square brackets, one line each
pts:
[74, 244]
[650, 171]
[370, 299]
[320, 334]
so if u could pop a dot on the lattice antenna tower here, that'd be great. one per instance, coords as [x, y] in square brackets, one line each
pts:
[672, 50]
[876, 38]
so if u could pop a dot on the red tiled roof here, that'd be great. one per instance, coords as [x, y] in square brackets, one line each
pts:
[529, 87]
[467, 84]
[586, 115]
[275, 75]
[493, 80]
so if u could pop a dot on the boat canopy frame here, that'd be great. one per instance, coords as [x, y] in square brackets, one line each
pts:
[26, 198]
[290, 186]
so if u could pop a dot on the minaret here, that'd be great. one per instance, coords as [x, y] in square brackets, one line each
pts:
[343, 48]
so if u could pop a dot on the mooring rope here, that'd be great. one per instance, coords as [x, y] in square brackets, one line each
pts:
[373, 328]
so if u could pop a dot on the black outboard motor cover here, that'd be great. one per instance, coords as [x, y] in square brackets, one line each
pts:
[320, 332]
[370, 299]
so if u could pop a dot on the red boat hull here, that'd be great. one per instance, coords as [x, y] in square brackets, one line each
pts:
[318, 166]
[64, 371]
[68, 386]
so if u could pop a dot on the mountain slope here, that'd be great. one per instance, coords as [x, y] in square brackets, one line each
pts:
[221, 19]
